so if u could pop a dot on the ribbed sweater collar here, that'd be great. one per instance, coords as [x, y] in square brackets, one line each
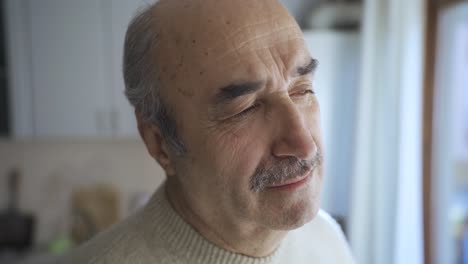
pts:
[182, 241]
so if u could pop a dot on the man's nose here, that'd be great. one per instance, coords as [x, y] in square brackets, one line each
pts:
[294, 137]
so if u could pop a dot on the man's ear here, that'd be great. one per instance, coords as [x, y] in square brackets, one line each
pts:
[155, 143]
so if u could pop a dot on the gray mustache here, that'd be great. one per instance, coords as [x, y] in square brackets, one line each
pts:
[281, 170]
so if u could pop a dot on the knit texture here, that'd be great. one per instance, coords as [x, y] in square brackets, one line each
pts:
[158, 235]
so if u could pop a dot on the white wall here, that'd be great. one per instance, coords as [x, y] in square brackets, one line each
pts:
[299, 8]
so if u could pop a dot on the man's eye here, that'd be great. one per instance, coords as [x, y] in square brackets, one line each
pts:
[305, 92]
[246, 111]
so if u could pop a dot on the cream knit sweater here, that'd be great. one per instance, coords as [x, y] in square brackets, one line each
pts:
[157, 235]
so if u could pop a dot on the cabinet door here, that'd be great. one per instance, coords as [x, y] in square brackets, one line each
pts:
[70, 88]
[121, 12]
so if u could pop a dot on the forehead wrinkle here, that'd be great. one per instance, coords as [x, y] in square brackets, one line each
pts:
[279, 63]
[215, 26]
[244, 66]
[246, 42]
[229, 52]
[241, 30]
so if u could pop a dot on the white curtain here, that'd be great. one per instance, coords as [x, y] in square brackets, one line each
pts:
[386, 207]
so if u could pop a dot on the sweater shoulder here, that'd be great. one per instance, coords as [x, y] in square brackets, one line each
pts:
[324, 239]
[328, 229]
[326, 220]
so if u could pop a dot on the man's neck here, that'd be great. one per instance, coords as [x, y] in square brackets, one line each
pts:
[240, 238]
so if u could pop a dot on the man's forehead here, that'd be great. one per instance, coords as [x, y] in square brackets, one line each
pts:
[209, 24]
[216, 47]
[261, 63]
[230, 9]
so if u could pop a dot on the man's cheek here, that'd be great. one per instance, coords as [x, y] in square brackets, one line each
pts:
[231, 153]
[237, 159]
[229, 141]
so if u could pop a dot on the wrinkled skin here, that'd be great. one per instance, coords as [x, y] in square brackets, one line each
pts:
[205, 45]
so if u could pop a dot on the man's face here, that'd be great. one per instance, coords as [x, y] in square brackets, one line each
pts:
[237, 75]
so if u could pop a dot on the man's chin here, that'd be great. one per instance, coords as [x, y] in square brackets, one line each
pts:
[295, 216]
[290, 209]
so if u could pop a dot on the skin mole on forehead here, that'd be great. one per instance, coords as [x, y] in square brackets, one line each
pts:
[181, 61]
[186, 92]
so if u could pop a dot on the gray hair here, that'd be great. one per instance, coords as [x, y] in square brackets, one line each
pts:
[140, 76]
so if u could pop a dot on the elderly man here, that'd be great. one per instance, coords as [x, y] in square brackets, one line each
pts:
[224, 102]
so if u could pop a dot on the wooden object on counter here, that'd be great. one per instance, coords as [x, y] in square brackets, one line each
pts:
[94, 208]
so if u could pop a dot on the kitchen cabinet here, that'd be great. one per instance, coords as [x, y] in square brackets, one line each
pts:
[120, 13]
[65, 61]
[65, 67]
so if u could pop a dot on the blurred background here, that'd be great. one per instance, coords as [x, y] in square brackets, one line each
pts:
[393, 88]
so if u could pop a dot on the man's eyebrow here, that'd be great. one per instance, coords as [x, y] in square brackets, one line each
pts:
[309, 68]
[233, 91]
